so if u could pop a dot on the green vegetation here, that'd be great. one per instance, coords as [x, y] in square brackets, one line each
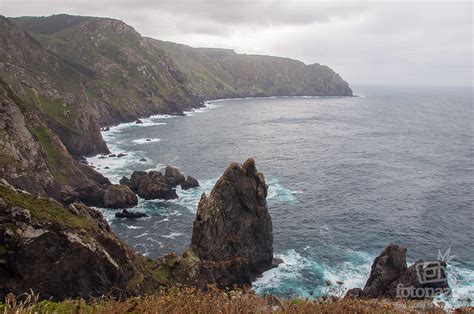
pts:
[55, 110]
[44, 209]
[54, 157]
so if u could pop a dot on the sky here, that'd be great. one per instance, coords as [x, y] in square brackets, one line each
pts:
[367, 42]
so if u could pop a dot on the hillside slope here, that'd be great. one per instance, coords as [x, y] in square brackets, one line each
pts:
[63, 77]
[222, 73]
[208, 73]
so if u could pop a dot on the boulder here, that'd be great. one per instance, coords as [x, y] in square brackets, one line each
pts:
[387, 267]
[121, 155]
[190, 183]
[390, 277]
[151, 185]
[143, 159]
[139, 121]
[429, 276]
[119, 196]
[173, 176]
[232, 239]
[130, 214]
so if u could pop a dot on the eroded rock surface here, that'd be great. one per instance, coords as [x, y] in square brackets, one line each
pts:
[119, 196]
[63, 252]
[190, 183]
[391, 278]
[151, 185]
[232, 239]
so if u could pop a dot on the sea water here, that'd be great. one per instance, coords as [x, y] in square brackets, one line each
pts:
[346, 176]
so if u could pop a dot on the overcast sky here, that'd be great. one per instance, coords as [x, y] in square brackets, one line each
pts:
[401, 43]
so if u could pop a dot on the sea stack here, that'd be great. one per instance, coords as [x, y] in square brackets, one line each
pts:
[391, 278]
[232, 239]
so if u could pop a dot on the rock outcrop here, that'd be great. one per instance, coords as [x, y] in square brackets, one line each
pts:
[173, 176]
[130, 214]
[390, 277]
[119, 196]
[232, 239]
[151, 185]
[387, 267]
[63, 252]
[189, 183]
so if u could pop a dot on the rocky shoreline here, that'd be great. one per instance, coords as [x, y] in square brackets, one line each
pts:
[232, 244]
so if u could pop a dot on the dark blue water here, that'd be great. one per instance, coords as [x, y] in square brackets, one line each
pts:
[347, 176]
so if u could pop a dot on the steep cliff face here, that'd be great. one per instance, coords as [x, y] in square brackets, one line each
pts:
[220, 73]
[126, 77]
[62, 252]
[164, 72]
[32, 156]
[74, 74]
[50, 87]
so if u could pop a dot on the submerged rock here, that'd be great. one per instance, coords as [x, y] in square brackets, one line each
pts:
[232, 239]
[130, 214]
[190, 183]
[119, 196]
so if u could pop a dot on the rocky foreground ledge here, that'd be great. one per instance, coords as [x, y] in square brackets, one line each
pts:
[68, 251]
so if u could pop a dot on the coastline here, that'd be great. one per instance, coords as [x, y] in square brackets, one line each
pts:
[298, 260]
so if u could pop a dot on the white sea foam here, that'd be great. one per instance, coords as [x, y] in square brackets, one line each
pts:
[146, 140]
[290, 270]
[190, 198]
[133, 227]
[461, 282]
[172, 235]
[291, 275]
[207, 106]
[276, 192]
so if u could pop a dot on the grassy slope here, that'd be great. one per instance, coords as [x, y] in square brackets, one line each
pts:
[218, 73]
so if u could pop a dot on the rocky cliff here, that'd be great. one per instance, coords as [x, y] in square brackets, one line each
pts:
[391, 278]
[62, 252]
[222, 73]
[74, 74]
[232, 239]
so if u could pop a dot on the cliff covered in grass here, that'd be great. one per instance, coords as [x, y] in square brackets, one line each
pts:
[64, 77]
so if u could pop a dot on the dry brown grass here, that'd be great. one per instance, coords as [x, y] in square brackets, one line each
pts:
[189, 300]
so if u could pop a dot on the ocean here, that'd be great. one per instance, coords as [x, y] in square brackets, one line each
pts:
[346, 176]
